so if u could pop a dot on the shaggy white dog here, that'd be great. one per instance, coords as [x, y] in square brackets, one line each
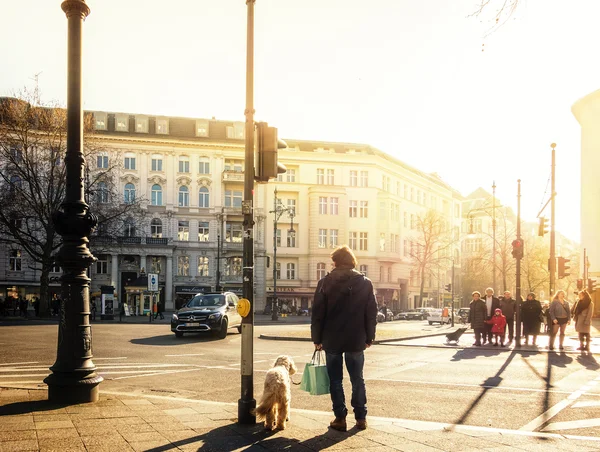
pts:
[274, 405]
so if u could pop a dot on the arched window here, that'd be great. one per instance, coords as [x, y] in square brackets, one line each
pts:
[129, 193]
[102, 192]
[320, 270]
[203, 200]
[156, 228]
[184, 196]
[156, 197]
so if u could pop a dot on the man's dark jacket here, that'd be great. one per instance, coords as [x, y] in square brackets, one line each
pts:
[495, 305]
[509, 308]
[344, 313]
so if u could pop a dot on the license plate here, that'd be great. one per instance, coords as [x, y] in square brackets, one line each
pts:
[191, 324]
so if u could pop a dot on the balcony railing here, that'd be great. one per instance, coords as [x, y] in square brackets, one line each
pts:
[233, 176]
[157, 241]
[107, 240]
[129, 240]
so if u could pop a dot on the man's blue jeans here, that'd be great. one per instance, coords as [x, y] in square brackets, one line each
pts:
[355, 362]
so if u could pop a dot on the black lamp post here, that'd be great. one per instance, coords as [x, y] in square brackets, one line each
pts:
[278, 210]
[73, 379]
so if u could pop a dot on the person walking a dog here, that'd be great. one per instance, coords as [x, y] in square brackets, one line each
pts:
[343, 323]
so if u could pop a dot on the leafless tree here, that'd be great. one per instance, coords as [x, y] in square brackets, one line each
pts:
[504, 10]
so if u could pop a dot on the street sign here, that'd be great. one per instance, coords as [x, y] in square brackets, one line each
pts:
[153, 282]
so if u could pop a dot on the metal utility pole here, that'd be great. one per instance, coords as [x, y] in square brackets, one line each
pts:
[518, 276]
[494, 235]
[247, 403]
[73, 378]
[585, 266]
[220, 217]
[452, 293]
[552, 262]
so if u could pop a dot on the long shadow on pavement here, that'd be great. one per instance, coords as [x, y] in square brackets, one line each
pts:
[28, 407]
[255, 438]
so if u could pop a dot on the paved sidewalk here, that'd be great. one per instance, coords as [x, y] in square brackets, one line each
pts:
[131, 422]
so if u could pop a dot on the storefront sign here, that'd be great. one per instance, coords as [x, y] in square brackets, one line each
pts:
[191, 289]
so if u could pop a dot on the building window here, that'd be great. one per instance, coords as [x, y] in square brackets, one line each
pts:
[322, 238]
[102, 161]
[55, 268]
[291, 271]
[141, 124]
[364, 270]
[184, 164]
[184, 196]
[330, 177]
[291, 240]
[129, 228]
[203, 197]
[322, 205]
[233, 232]
[412, 221]
[290, 175]
[405, 246]
[234, 165]
[389, 274]
[202, 266]
[100, 120]
[102, 193]
[236, 131]
[321, 272]
[398, 188]
[122, 123]
[278, 270]
[201, 128]
[155, 264]
[364, 178]
[233, 266]
[278, 238]
[354, 178]
[129, 193]
[364, 241]
[412, 194]
[203, 231]
[157, 163]
[183, 266]
[353, 209]
[405, 219]
[14, 260]
[102, 264]
[291, 205]
[162, 126]
[333, 238]
[333, 205]
[204, 166]
[382, 241]
[156, 228]
[320, 176]
[353, 240]
[382, 210]
[183, 230]
[156, 195]
[364, 209]
[129, 162]
[233, 198]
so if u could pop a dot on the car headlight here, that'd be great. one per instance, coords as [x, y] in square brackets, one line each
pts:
[175, 316]
[214, 316]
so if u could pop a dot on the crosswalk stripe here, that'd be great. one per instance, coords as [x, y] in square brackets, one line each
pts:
[568, 425]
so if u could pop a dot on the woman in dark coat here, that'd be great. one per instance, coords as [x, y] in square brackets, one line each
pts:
[477, 316]
[531, 312]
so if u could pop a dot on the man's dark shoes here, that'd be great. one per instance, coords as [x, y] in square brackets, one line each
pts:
[361, 424]
[339, 424]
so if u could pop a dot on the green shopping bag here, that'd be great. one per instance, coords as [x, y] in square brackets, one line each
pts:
[315, 379]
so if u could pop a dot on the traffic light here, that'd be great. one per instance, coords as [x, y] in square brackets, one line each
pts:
[580, 284]
[266, 164]
[517, 250]
[448, 287]
[543, 228]
[563, 267]
[591, 285]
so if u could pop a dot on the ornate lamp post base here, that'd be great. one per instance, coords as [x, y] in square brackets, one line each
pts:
[68, 389]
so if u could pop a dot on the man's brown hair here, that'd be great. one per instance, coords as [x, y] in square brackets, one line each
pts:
[344, 257]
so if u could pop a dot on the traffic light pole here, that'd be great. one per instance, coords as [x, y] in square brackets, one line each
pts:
[247, 403]
[552, 263]
[452, 293]
[518, 275]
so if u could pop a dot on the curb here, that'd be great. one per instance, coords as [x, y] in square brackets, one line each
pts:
[382, 341]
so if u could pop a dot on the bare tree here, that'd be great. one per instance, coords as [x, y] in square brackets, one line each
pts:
[431, 249]
[504, 10]
[33, 182]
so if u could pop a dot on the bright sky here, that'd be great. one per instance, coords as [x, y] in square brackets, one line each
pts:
[406, 76]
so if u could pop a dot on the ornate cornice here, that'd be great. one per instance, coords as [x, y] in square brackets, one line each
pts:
[130, 178]
[204, 181]
[157, 180]
[184, 180]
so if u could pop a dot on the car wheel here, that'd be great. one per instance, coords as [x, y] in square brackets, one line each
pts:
[239, 328]
[223, 331]
[431, 323]
[178, 333]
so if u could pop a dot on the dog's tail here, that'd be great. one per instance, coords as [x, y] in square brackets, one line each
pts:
[266, 403]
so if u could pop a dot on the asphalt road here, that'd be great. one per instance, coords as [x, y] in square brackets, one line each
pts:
[498, 388]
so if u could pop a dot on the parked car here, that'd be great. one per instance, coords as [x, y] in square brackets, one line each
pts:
[463, 315]
[212, 312]
[425, 311]
[436, 317]
[410, 315]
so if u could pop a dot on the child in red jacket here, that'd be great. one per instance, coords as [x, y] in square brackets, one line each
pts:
[498, 322]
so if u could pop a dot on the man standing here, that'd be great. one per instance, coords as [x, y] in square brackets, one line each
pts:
[509, 308]
[344, 318]
[491, 304]
[477, 316]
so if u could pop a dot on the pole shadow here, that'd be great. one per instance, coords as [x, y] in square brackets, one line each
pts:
[29, 406]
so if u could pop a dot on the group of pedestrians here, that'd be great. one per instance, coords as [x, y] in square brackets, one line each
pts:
[491, 317]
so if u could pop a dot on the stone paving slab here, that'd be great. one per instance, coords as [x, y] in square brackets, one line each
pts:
[114, 424]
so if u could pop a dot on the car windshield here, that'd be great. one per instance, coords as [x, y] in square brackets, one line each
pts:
[206, 301]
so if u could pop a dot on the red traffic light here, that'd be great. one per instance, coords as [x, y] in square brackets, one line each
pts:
[517, 250]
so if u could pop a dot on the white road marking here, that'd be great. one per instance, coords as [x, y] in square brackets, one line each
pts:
[188, 354]
[98, 359]
[568, 425]
[18, 364]
[586, 404]
[379, 374]
[546, 416]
